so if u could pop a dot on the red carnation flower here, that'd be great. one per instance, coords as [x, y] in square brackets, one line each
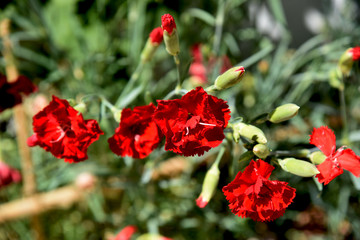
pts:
[137, 134]
[62, 130]
[126, 233]
[193, 124]
[8, 175]
[355, 52]
[156, 35]
[336, 160]
[10, 93]
[252, 195]
[168, 23]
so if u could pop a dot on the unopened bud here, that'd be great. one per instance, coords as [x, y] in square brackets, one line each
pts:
[346, 62]
[81, 107]
[170, 34]
[116, 114]
[317, 157]
[229, 78]
[152, 236]
[153, 42]
[261, 151]
[335, 79]
[249, 131]
[283, 113]
[298, 167]
[209, 186]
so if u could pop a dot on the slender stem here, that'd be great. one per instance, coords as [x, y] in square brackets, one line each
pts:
[345, 133]
[134, 77]
[177, 62]
[302, 153]
[219, 156]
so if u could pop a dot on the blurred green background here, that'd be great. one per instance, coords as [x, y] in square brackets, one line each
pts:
[75, 48]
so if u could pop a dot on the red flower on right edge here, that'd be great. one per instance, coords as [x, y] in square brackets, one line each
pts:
[336, 160]
[252, 194]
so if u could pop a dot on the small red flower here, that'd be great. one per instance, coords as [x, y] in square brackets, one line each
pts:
[62, 130]
[168, 23]
[355, 52]
[252, 195]
[8, 175]
[193, 124]
[336, 160]
[137, 134]
[156, 35]
[10, 93]
[126, 233]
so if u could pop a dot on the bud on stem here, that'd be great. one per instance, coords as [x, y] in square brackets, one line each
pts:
[298, 167]
[283, 113]
[261, 151]
[229, 78]
[209, 186]
[249, 131]
[317, 157]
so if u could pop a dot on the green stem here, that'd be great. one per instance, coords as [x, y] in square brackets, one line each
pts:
[219, 156]
[345, 133]
[177, 62]
[302, 153]
[130, 84]
[219, 22]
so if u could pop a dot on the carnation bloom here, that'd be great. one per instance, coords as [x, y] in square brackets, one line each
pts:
[8, 175]
[193, 124]
[10, 93]
[126, 233]
[168, 23]
[252, 195]
[62, 130]
[137, 134]
[336, 160]
[156, 35]
[355, 52]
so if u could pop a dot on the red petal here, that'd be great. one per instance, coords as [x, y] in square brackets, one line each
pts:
[349, 161]
[200, 202]
[156, 35]
[324, 139]
[328, 171]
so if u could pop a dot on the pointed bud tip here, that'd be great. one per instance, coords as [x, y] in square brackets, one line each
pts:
[200, 202]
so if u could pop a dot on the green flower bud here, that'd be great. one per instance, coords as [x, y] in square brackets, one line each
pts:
[261, 151]
[229, 78]
[172, 42]
[209, 186]
[317, 157]
[81, 107]
[283, 113]
[148, 51]
[298, 167]
[249, 131]
[346, 62]
[116, 114]
[335, 79]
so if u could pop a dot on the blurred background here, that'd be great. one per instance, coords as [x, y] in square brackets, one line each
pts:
[75, 48]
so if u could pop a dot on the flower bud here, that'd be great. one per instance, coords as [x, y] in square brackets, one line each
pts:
[335, 79]
[209, 186]
[153, 42]
[261, 151]
[170, 34]
[317, 157]
[229, 78]
[298, 167]
[347, 59]
[152, 236]
[80, 107]
[116, 114]
[283, 113]
[249, 131]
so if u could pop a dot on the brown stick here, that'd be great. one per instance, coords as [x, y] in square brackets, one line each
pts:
[38, 203]
[20, 118]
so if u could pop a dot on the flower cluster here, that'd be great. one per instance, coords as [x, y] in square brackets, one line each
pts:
[336, 160]
[10, 93]
[252, 194]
